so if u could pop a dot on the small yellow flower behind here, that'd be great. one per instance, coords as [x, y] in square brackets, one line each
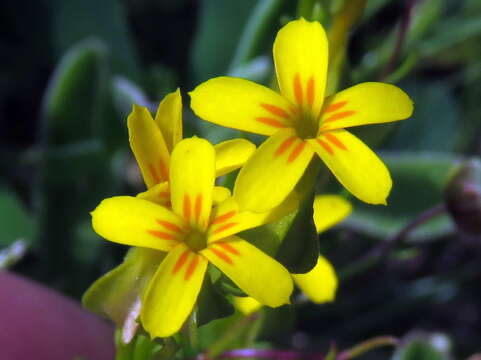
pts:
[300, 121]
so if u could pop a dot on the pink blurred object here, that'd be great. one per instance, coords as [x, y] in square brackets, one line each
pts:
[37, 323]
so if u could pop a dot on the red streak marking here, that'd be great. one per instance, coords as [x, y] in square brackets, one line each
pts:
[340, 115]
[222, 218]
[224, 227]
[222, 255]
[181, 261]
[285, 145]
[335, 141]
[271, 122]
[334, 107]
[169, 226]
[187, 207]
[198, 207]
[192, 266]
[298, 88]
[275, 110]
[163, 170]
[163, 194]
[229, 248]
[310, 91]
[296, 152]
[162, 235]
[154, 174]
[325, 146]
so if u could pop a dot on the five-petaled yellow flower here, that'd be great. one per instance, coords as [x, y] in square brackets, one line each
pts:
[193, 233]
[301, 121]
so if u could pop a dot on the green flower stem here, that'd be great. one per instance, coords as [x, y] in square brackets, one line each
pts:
[232, 334]
[257, 25]
[366, 346]
[189, 332]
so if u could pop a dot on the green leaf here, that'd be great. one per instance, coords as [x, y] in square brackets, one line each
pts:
[419, 180]
[300, 248]
[211, 304]
[418, 350]
[15, 223]
[71, 104]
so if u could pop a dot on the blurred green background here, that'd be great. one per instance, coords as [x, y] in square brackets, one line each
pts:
[70, 70]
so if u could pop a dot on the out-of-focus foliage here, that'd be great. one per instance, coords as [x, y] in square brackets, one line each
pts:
[69, 71]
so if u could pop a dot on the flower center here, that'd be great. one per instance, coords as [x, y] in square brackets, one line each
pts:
[306, 124]
[196, 240]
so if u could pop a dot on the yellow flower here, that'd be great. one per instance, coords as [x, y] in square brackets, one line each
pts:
[320, 283]
[193, 233]
[301, 122]
[117, 294]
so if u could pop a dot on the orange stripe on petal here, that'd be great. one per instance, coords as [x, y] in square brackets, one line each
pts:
[310, 91]
[222, 255]
[229, 248]
[153, 173]
[198, 207]
[325, 146]
[164, 172]
[187, 207]
[271, 122]
[169, 226]
[296, 152]
[220, 219]
[224, 227]
[162, 235]
[181, 261]
[298, 88]
[191, 269]
[284, 146]
[275, 110]
[163, 194]
[334, 107]
[340, 115]
[335, 141]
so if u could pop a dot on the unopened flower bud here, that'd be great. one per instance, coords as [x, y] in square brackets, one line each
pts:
[463, 197]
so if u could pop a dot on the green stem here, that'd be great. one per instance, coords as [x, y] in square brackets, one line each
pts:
[189, 331]
[255, 30]
[366, 346]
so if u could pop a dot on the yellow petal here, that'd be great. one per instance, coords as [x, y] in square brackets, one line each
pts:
[231, 155]
[159, 194]
[319, 284]
[366, 103]
[245, 304]
[241, 104]
[227, 219]
[300, 57]
[172, 292]
[272, 171]
[256, 273]
[192, 175]
[330, 210]
[356, 167]
[169, 118]
[220, 194]
[148, 146]
[136, 222]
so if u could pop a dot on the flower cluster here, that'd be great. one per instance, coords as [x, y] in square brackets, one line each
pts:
[183, 223]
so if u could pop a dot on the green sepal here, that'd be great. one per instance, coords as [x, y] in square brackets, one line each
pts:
[211, 304]
[299, 250]
[114, 294]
